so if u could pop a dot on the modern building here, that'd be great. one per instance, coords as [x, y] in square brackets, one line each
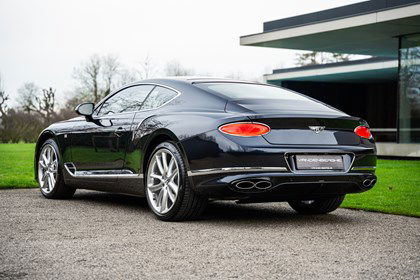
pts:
[384, 89]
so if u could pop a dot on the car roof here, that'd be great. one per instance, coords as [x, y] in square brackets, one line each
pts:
[199, 79]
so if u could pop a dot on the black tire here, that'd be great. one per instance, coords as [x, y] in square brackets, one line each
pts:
[318, 206]
[60, 190]
[188, 204]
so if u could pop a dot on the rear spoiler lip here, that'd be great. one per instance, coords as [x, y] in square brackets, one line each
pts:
[308, 115]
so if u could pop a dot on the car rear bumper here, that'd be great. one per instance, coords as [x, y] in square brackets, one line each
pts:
[217, 163]
[278, 186]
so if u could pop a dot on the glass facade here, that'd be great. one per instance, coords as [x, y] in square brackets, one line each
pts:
[409, 89]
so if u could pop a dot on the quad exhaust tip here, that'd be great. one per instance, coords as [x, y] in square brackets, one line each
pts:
[256, 184]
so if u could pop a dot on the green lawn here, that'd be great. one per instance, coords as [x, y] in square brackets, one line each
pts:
[397, 190]
[17, 165]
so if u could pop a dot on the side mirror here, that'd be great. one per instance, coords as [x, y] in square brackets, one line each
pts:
[85, 109]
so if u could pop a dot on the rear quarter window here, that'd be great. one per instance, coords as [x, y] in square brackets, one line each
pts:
[158, 97]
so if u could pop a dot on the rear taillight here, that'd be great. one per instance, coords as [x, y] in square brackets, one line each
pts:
[363, 132]
[245, 129]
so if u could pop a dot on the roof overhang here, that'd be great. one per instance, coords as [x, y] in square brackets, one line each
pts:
[373, 33]
[370, 71]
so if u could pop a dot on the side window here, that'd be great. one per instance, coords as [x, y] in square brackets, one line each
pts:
[126, 100]
[158, 97]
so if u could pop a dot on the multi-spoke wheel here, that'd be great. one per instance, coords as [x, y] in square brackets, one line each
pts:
[317, 206]
[47, 168]
[163, 181]
[167, 187]
[49, 174]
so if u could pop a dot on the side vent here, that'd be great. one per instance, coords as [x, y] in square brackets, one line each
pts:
[70, 168]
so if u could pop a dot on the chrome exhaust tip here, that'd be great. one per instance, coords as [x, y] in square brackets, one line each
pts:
[254, 184]
[244, 185]
[263, 185]
[367, 183]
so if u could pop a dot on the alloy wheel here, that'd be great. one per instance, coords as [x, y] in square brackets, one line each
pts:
[47, 168]
[163, 181]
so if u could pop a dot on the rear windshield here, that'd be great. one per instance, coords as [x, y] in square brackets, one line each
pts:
[238, 91]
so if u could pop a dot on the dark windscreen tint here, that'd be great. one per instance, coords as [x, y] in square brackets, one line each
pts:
[241, 91]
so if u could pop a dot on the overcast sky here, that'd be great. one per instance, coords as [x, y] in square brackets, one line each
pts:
[42, 41]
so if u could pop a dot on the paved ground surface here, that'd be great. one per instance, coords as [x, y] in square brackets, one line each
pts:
[108, 236]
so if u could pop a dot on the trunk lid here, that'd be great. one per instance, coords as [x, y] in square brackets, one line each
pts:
[310, 129]
[300, 121]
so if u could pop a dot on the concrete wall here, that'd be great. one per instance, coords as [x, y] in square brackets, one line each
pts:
[400, 150]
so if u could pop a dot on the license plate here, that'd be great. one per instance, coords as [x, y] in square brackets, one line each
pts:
[319, 162]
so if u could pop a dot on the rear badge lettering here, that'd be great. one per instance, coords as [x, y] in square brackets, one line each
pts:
[319, 160]
[332, 162]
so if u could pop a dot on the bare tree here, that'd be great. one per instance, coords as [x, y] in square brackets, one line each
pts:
[127, 76]
[110, 70]
[20, 126]
[309, 58]
[147, 68]
[27, 96]
[3, 101]
[67, 111]
[338, 57]
[32, 100]
[3, 104]
[314, 57]
[97, 77]
[88, 76]
[46, 104]
[174, 68]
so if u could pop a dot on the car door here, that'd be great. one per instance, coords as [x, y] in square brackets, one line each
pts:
[98, 150]
[156, 99]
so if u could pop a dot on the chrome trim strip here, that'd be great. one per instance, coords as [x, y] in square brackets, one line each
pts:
[364, 168]
[235, 169]
[101, 173]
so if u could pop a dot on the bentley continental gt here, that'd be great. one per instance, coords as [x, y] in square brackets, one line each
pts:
[182, 142]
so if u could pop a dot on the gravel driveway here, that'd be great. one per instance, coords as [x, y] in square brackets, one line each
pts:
[109, 236]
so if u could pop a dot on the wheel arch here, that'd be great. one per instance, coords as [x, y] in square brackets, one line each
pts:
[160, 136]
